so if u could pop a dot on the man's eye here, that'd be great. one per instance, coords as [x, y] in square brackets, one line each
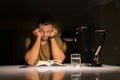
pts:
[49, 31]
[40, 31]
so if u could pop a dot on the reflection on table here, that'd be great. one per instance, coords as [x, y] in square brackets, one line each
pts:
[66, 72]
[35, 74]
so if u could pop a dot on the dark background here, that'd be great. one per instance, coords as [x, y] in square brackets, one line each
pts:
[18, 19]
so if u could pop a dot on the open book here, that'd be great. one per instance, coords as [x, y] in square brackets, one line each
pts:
[49, 63]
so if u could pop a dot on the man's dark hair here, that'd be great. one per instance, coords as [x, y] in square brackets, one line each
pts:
[45, 20]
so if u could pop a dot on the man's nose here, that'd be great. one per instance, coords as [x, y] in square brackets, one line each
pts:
[45, 34]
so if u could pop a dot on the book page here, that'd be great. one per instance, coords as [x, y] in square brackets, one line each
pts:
[43, 63]
[49, 63]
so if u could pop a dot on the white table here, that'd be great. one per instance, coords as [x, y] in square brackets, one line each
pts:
[67, 72]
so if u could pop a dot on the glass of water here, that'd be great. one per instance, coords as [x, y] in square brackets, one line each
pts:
[76, 59]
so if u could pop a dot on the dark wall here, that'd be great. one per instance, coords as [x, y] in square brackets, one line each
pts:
[6, 46]
[11, 47]
[110, 17]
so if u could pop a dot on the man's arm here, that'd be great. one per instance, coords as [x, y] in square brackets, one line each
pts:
[57, 53]
[32, 54]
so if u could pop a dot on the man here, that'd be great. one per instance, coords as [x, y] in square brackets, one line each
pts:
[46, 45]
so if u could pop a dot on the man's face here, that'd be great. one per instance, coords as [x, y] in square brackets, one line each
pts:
[45, 31]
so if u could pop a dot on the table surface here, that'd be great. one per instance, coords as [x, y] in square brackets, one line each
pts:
[66, 72]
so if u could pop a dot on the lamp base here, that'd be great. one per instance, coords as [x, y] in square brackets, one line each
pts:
[93, 65]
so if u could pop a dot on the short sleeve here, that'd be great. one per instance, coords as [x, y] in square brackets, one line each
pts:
[59, 42]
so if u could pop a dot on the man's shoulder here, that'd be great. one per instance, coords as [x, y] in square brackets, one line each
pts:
[58, 39]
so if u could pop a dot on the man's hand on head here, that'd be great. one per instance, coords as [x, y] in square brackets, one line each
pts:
[36, 32]
[53, 32]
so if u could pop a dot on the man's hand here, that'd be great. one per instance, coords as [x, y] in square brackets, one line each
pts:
[53, 32]
[36, 32]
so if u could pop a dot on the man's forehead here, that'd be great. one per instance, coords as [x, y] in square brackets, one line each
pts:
[44, 26]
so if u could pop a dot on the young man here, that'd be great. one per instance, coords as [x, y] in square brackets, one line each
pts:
[47, 45]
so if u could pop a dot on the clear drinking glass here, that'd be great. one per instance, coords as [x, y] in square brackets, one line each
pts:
[76, 60]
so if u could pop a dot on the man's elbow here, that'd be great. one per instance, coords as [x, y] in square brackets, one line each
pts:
[29, 62]
[62, 59]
